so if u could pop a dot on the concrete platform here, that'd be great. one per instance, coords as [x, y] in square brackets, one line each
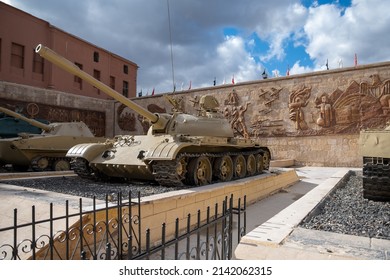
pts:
[280, 238]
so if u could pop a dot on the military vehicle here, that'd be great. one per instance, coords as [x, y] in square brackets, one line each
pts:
[11, 126]
[45, 151]
[178, 150]
[374, 148]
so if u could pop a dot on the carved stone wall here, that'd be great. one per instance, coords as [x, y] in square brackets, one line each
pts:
[313, 118]
[55, 106]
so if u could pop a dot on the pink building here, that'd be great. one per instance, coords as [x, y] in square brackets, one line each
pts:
[21, 32]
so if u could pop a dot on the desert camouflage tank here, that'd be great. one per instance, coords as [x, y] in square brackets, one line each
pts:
[179, 149]
[45, 151]
[375, 150]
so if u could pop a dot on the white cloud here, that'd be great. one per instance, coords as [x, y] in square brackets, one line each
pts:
[233, 59]
[361, 29]
[299, 69]
[139, 32]
[283, 23]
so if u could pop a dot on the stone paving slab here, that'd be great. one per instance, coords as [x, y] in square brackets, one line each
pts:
[279, 237]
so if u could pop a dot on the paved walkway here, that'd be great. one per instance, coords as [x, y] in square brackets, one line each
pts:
[272, 231]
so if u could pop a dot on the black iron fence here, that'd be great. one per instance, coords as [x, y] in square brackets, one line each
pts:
[114, 231]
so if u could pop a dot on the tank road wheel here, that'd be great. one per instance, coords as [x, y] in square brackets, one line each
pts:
[251, 167]
[259, 163]
[181, 169]
[266, 160]
[239, 164]
[61, 165]
[199, 171]
[40, 163]
[223, 168]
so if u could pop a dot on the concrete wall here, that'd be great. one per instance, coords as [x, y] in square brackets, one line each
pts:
[313, 118]
[56, 106]
[166, 208]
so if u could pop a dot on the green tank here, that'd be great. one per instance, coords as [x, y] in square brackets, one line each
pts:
[44, 151]
[375, 151]
[179, 149]
[11, 127]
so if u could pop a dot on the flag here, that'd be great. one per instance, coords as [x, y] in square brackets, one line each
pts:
[327, 65]
[265, 76]
[355, 59]
[189, 86]
[153, 92]
[233, 80]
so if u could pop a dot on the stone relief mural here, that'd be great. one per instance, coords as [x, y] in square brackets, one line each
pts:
[126, 118]
[298, 99]
[299, 110]
[93, 119]
[265, 121]
[359, 105]
[234, 111]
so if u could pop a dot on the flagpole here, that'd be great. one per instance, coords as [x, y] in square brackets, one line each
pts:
[170, 40]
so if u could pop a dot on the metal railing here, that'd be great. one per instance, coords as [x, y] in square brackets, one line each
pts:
[114, 231]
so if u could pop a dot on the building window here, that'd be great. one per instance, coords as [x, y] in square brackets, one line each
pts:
[125, 69]
[37, 63]
[96, 56]
[17, 56]
[125, 89]
[77, 81]
[96, 75]
[112, 82]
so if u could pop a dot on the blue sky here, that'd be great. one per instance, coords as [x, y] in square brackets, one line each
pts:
[224, 38]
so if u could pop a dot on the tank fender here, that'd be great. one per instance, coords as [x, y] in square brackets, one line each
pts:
[166, 150]
[88, 151]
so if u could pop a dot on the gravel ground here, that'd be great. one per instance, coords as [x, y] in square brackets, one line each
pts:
[76, 186]
[347, 212]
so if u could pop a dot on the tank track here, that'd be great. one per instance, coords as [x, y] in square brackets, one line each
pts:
[165, 171]
[81, 167]
[376, 179]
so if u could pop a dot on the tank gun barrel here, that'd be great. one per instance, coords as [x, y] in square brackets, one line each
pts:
[42, 126]
[72, 68]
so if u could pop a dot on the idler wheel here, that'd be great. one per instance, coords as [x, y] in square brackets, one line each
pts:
[223, 168]
[251, 167]
[239, 164]
[199, 171]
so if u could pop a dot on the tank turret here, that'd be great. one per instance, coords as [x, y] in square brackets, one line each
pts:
[179, 149]
[44, 151]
